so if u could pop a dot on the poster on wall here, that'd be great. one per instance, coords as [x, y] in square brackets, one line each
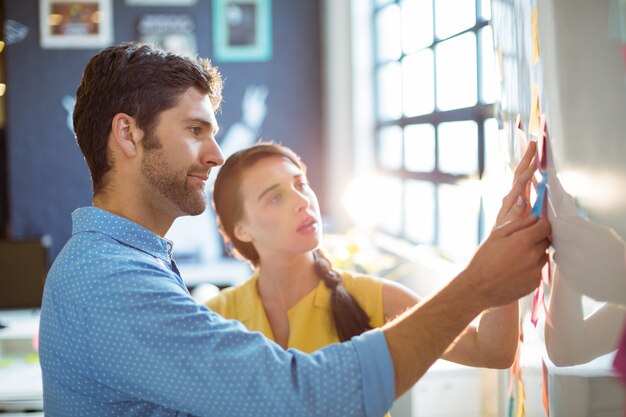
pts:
[75, 24]
[242, 30]
[175, 33]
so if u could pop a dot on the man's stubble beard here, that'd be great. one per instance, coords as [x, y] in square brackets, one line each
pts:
[170, 183]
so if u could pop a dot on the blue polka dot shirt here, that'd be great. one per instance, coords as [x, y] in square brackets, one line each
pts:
[121, 336]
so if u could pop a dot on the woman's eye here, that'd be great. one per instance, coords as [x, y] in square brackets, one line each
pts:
[302, 186]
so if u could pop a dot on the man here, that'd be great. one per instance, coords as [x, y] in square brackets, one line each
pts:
[120, 334]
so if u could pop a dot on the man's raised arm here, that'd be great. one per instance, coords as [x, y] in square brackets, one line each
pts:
[506, 267]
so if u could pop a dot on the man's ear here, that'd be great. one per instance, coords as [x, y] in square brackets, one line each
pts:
[126, 134]
[241, 233]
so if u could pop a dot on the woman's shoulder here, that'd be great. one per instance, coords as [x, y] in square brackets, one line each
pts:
[368, 291]
[358, 281]
[225, 303]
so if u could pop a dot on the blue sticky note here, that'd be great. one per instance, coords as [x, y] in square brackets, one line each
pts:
[541, 192]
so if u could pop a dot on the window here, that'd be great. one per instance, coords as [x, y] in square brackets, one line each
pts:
[435, 86]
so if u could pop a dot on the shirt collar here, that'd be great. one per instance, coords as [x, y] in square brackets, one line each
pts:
[93, 219]
[247, 295]
[322, 296]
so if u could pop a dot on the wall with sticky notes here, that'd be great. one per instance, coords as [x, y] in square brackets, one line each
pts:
[562, 66]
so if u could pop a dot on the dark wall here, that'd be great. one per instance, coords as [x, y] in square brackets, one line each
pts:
[48, 177]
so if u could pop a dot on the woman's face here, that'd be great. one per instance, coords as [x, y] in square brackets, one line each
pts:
[281, 212]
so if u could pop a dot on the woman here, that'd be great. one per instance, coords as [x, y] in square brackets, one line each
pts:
[271, 217]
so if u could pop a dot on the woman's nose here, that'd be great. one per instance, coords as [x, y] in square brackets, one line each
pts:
[302, 201]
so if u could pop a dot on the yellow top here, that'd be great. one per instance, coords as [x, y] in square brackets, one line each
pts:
[310, 320]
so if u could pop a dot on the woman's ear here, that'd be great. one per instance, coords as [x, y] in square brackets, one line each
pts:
[241, 233]
[126, 134]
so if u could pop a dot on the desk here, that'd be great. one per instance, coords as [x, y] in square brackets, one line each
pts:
[21, 388]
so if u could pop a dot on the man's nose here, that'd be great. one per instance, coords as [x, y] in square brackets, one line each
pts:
[212, 154]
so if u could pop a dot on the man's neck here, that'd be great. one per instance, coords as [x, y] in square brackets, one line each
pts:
[153, 220]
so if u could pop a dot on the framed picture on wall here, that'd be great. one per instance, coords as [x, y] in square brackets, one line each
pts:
[65, 24]
[160, 2]
[173, 32]
[242, 30]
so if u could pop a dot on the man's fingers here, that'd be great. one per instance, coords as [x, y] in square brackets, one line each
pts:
[539, 231]
[520, 188]
[516, 225]
[522, 179]
[526, 159]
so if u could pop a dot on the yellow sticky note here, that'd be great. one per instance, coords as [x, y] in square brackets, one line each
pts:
[533, 123]
[535, 35]
[521, 394]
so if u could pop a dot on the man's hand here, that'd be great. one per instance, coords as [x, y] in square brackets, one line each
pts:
[508, 264]
[516, 204]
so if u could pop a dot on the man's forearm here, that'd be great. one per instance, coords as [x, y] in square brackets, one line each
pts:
[419, 337]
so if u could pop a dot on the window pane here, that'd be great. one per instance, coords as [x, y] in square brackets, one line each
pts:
[417, 24]
[382, 2]
[458, 147]
[419, 83]
[493, 162]
[489, 78]
[393, 205]
[456, 72]
[420, 211]
[454, 16]
[485, 9]
[389, 36]
[458, 219]
[390, 91]
[390, 147]
[419, 148]
[494, 173]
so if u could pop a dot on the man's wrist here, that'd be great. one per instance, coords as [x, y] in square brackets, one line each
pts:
[469, 283]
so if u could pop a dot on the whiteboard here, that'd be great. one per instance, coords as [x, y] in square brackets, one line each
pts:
[565, 60]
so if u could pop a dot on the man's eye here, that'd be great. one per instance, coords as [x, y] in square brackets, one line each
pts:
[195, 130]
[276, 198]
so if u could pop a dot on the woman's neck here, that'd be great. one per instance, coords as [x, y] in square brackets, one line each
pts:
[284, 282]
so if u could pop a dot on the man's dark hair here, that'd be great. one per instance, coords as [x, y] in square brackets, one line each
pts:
[140, 81]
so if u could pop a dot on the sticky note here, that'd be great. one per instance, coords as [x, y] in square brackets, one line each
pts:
[537, 304]
[542, 158]
[533, 123]
[521, 409]
[535, 35]
[544, 388]
[541, 191]
[619, 364]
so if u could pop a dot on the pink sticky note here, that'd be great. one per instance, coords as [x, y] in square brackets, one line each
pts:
[619, 364]
[542, 157]
[537, 305]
